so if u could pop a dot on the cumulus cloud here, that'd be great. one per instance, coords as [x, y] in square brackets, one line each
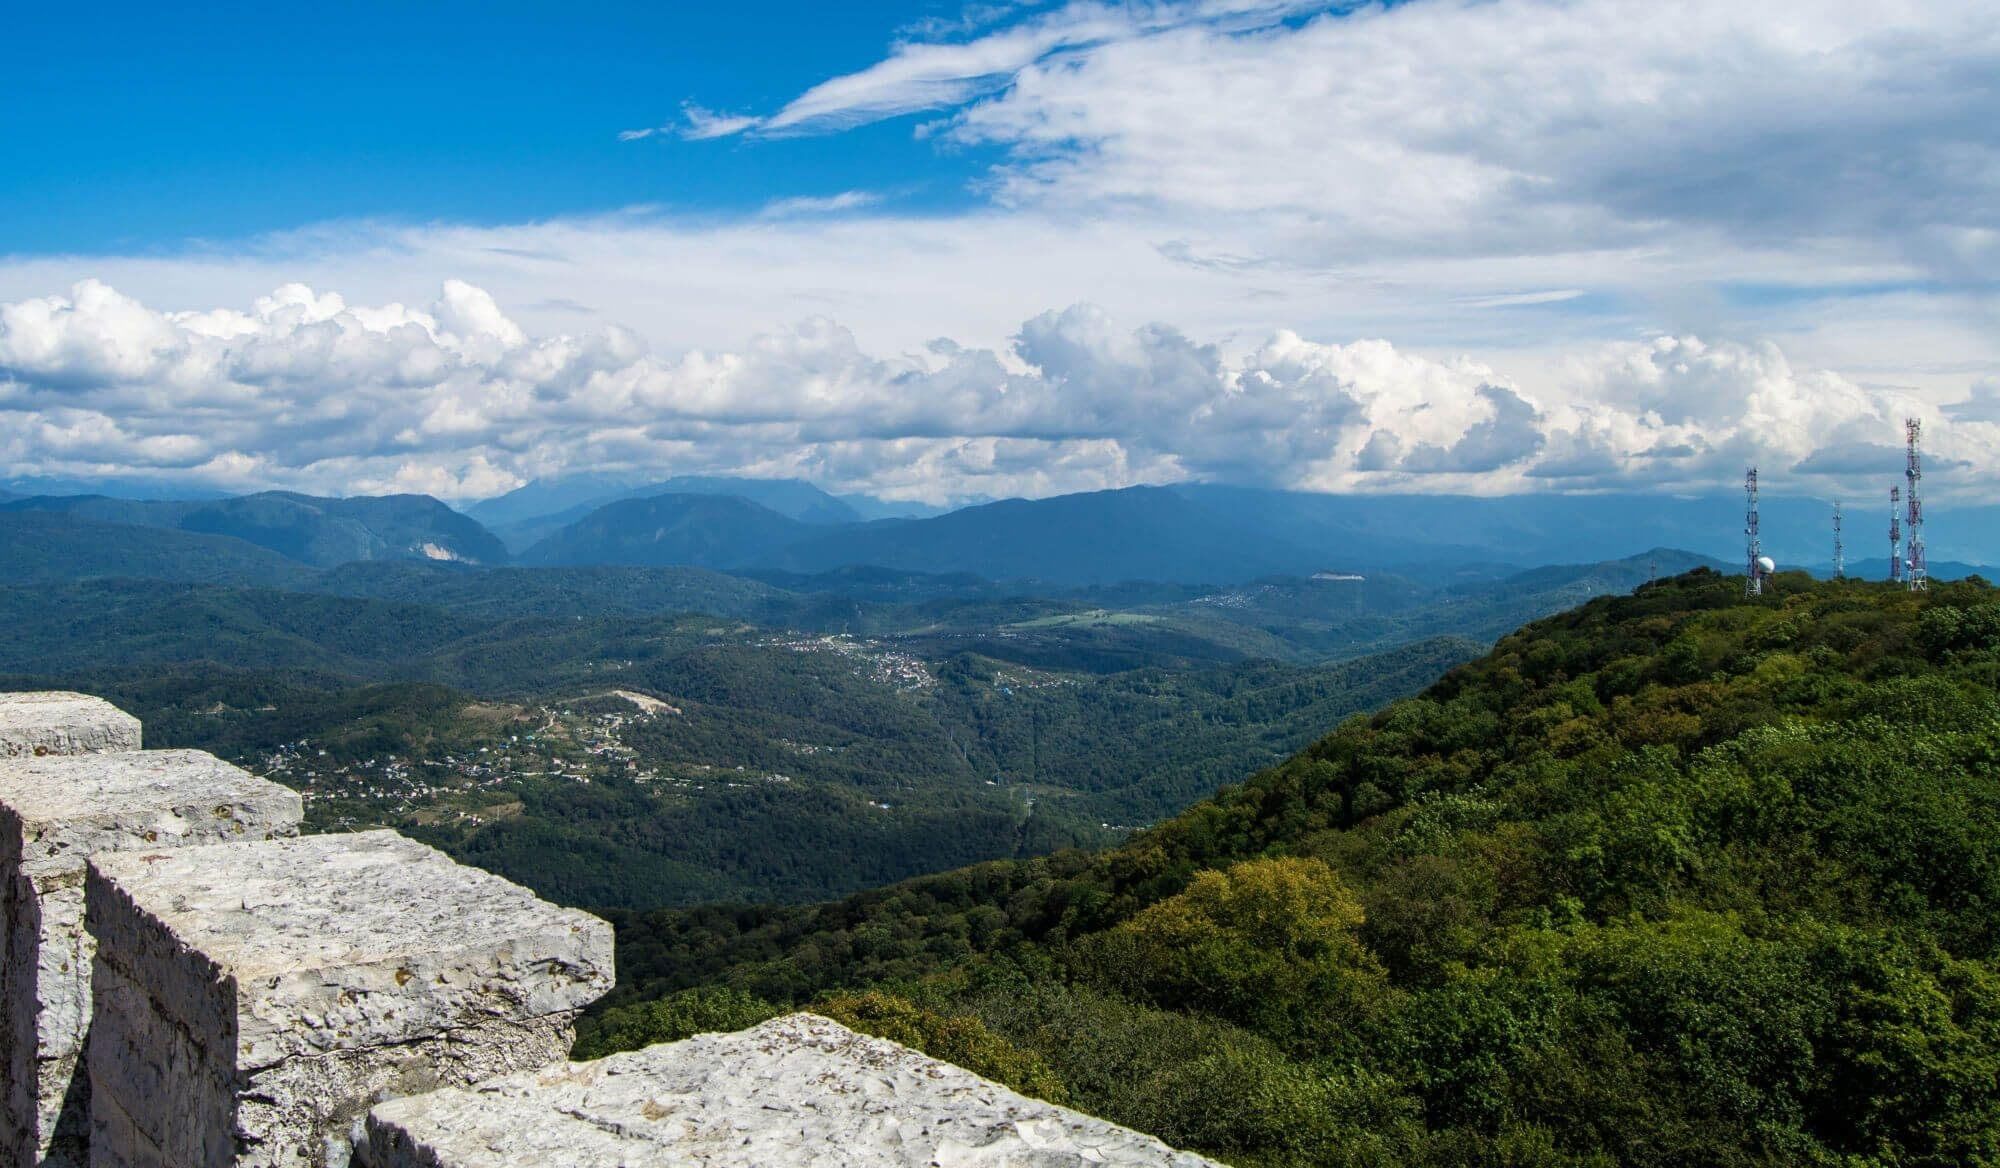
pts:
[1982, 405]
[1510, 435]
[455, 398]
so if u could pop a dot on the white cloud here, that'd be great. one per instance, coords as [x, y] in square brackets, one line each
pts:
[820, 205]
[1586, 193]
[932, 75]
[703, 123]
[1482, 127]
[309, 391]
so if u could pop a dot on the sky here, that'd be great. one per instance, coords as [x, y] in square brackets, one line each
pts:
[942, 252]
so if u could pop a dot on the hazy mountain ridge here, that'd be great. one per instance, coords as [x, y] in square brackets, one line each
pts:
[1182, 535]
[53, 547]
[709, 531]
[531, 513]
[1229, 535]
[309, 530]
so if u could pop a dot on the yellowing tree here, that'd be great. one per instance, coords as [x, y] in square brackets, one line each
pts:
[1269, 942]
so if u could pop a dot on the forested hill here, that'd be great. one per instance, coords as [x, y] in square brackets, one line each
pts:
[1678, 878]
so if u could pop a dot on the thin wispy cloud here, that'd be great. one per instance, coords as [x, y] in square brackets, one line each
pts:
[819, 205]
[923, 75]
[703, 123]
[1523, 299]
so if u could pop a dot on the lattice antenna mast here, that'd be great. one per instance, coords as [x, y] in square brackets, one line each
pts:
[1895, 534]
[1839, 551]
[1918, 576]
[1753, 584]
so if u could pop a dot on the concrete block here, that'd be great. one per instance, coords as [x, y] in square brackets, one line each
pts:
[256, 998]
[56, 811]
[796, 1091]
[55, 722]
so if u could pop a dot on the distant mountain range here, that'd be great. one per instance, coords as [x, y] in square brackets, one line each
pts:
[706, 531]
[529, 514]
[308, 530]
[1189, 534]
[49, 547]
[1878, 569]
[1208, 534]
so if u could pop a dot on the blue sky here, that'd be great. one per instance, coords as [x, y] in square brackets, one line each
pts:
[940, 251]
[137, 127]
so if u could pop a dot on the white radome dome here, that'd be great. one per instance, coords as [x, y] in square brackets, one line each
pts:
[1767, 564]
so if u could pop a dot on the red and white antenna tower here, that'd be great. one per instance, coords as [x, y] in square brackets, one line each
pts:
[1753, 584]
[1918, 577]
[1839, 551]
[1895, 534]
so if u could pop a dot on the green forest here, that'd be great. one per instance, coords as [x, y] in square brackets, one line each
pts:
[839, 732]
[1678, 878]
[793, 767]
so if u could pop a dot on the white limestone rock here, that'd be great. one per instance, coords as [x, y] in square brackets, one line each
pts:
[56, 811]
[796, 1091]
[255, 999]
[56, 722]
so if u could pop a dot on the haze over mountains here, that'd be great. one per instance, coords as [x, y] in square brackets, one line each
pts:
[527, 514]
[319, 532]
[1187, 534]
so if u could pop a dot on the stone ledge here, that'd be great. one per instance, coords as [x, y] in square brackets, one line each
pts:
[333, 941]
[58, 722]
[254, 999]
[57, 811]
[799, 1090]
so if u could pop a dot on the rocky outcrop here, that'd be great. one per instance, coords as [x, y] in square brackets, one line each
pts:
[53, 722]
[242, 995]
[253, 999]
[799, 1090]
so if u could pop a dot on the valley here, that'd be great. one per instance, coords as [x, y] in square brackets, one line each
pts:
[637, 736]
[1425, 865]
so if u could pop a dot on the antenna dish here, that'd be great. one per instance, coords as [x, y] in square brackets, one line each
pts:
[1768, 564]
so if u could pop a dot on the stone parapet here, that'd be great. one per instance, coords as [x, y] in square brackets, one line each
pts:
[188, 983]
[799, 1090]
[55, 722]
[253, 999]
[57, 811]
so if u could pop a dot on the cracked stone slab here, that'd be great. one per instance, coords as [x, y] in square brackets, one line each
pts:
[56, 811]
[265, 994]
[796, 1091]
[57, 722]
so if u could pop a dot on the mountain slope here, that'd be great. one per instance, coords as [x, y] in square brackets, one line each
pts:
[1398, 532]
[320, 532]
[1671, 879]
[46, 547]
[1141, 533]
[715, 531]
[532, 513]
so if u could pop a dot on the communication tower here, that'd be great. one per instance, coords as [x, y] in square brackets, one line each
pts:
[1839, 552]
[1918, 576]
[1895, 534]
[1753, 584]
